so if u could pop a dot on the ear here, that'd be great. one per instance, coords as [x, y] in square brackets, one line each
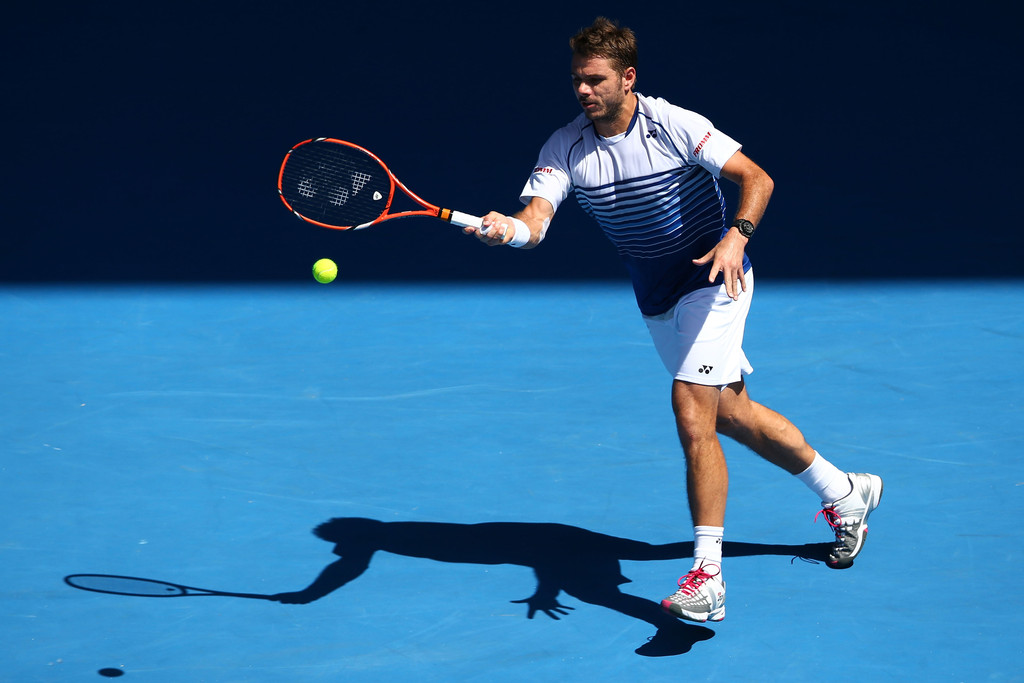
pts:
[629, 78]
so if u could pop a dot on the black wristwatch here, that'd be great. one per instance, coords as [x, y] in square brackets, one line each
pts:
[745, 227]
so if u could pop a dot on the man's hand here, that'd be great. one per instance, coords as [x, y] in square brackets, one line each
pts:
[497, 230]
[727, 258]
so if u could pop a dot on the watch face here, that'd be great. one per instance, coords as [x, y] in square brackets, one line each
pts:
[746, 228]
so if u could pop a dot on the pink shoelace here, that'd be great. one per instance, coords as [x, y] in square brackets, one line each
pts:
[692, 582]
[833, 519]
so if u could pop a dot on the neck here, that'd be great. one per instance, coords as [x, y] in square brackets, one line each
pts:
[619, 123]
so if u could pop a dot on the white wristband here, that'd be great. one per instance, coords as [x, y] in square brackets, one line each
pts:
[522, 234]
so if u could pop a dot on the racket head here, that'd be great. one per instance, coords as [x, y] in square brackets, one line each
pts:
[125, 585]
[335, 184]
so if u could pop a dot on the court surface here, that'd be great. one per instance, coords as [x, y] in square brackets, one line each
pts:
[501, 440]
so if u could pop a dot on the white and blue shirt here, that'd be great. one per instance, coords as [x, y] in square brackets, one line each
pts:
[653, 190]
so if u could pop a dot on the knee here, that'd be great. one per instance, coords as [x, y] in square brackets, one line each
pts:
[694, 427]
[737, 420]
[695, 408]
[728, 423]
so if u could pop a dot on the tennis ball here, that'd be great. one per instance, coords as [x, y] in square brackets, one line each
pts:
[325, 270]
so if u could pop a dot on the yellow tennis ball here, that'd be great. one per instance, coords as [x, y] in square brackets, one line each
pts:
[325, 270]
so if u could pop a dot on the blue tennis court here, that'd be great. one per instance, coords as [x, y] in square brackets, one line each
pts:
[476, 449]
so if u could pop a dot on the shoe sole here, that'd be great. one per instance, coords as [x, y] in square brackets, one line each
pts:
[847, 562]
[676, 611]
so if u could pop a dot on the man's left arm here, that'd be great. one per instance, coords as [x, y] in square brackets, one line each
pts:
[755, 190]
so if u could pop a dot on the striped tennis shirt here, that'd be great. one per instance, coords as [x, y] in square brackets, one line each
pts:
[653, 190]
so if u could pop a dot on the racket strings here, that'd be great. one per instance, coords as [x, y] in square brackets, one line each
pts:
[335, 184]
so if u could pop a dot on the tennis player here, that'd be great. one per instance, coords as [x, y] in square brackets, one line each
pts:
[647, 171]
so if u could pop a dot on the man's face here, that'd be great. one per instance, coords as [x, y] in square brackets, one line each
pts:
[600, 89]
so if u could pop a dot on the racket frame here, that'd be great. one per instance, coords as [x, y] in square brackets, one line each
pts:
[456, 218]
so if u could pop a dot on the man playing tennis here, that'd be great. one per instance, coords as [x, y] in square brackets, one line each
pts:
[647, 172]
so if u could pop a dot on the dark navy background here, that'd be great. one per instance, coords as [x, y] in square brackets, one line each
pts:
[143, 141]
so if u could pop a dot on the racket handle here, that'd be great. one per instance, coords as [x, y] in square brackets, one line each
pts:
[462, 220]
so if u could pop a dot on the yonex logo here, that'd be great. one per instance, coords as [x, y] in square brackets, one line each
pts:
[653, 134]
[359, 180]
[706, 369]
[338, 196]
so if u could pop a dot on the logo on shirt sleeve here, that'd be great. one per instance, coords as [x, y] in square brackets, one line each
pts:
[700, 145]
[543, 169]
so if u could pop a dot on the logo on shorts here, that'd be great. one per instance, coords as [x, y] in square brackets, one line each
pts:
[706, 369]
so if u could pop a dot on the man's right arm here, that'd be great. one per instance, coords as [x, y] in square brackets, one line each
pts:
[500, 229]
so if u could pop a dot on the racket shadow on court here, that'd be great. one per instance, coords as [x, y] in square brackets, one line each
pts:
[581, 563]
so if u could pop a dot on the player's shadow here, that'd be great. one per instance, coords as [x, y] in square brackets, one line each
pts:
[581, 563]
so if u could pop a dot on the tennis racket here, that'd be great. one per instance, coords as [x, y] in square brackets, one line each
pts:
[337, 184]
[145, 588]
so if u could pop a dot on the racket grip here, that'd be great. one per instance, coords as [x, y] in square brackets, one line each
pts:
[463, 220]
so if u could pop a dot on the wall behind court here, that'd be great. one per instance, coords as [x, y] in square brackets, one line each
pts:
[143, 141]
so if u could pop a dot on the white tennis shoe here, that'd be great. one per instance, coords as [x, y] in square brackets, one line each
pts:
[848, 518]
[701, 595]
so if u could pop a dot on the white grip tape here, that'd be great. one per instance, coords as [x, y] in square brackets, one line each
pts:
[521, 237]
[464, 220]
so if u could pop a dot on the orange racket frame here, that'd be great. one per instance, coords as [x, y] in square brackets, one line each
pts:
[430, 210]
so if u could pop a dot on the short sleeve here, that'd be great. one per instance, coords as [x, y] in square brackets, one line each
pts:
[704, 144]
[550, 179]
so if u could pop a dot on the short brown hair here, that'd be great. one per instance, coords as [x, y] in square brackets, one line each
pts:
[605, 38]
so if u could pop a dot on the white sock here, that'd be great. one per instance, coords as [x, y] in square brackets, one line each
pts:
[826, 480]
[707, 545]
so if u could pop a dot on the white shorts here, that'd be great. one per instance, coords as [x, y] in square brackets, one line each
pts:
[700, 340]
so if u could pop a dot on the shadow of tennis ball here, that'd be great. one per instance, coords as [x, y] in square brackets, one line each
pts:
[110, 672]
